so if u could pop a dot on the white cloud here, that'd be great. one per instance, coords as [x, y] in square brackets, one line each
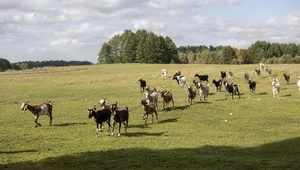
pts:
[37, 50]
[73, 27]
[148, 25]
[235, 43]
[65, 43]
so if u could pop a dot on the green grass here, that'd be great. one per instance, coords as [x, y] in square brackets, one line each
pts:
[261, 133]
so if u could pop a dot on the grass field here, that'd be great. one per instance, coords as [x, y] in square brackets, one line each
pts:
[261, 133]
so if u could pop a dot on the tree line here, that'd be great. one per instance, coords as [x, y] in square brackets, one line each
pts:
[147, 47]
[6, 65]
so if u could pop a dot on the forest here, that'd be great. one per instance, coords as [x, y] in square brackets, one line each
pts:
[6, 65]
[147, 47]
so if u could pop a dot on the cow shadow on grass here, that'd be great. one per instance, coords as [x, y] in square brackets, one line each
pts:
[168, 120]
[262, 93]
[276, 155]
[69, 124]
[142, 126]
[202, 102]
[16, 152]
[179, 107]
[138, 134]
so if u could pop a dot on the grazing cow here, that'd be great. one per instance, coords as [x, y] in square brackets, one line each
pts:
[252, 86]
[276, 87]
[223, 75]
[230, 74]
[231, 88]
[163, 73]
[269, 71]
[181, 80]
[246, 76]
[142, 85]
[38, 110]
[257, 72]
[202, 77]
[191, 94]
[218, 84]
[287, 78]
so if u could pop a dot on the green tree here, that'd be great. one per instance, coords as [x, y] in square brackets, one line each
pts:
[258, 51]
[171, 51]
[129, 45]
[215, 57]
[150, 48]
[227, 55]
[104, 56]
[4, 64]
[160, 50]
[291, 49]
[275, 50]
[141, 36]
[115, 48]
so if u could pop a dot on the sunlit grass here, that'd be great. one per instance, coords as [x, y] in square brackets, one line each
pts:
[261, 132]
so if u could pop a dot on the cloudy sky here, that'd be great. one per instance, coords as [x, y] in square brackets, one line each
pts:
[39, 30]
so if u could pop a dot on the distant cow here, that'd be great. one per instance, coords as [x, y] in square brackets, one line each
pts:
[252, 86]
[257, 72]
[142, 85]
[202, 77]
[230, 74]
[276, 87]
[269, 71]
[231, 88]
[218, 84]
[163, 73]
[223, 75]
[287, 78]
[177, 73]
[246, 76]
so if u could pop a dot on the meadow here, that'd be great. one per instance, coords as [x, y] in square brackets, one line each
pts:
[253, 132]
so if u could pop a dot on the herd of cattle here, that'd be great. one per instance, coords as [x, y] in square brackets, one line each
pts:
[150, 105]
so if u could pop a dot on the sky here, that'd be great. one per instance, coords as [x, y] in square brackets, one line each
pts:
[38, 30]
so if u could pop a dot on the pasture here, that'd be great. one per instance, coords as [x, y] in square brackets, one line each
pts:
[253, 132]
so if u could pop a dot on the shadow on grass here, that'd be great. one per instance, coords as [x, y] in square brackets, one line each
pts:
[278, 155]
[168, 120]
[262, 93]
[69, 124]
[180, 107]
[143, 126]
[286, 95]
[22, 151]
[138, 134]
[202, 102]
[221, 99]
